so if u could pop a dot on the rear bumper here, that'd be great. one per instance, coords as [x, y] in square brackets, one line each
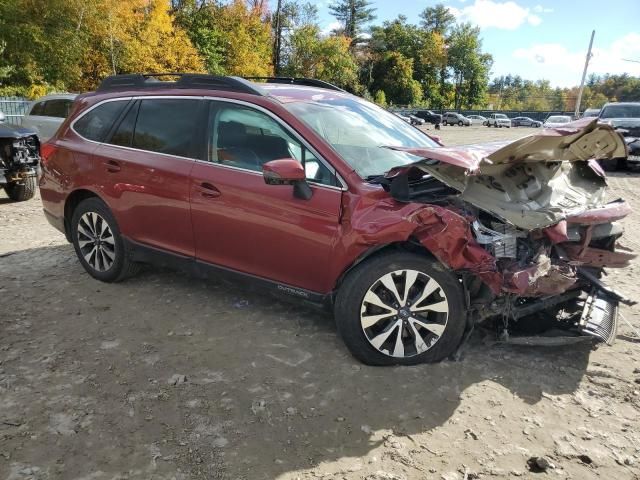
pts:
[54, 221]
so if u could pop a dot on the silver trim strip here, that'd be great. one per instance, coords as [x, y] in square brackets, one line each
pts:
[294, 133]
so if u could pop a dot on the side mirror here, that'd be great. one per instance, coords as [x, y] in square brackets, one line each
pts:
[287, 171]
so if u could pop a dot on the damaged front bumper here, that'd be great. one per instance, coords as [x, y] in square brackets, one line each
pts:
[527, 219]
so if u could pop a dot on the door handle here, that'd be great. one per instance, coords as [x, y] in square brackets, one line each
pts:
[208, 191]
[112, 166]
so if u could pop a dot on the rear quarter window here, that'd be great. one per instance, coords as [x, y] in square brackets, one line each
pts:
[96, 123]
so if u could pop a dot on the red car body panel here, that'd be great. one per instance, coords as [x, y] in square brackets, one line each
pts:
[231, 218]
[150, 193]
[286, 239]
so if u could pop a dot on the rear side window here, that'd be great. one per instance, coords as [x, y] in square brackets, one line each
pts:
[38, 109]
[95, 124]
[167, 126]
[123, 135]
[57, 108]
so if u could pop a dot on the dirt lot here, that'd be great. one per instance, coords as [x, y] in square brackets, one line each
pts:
[86, 373]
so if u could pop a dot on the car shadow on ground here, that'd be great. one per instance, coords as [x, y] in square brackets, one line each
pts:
[95, 372]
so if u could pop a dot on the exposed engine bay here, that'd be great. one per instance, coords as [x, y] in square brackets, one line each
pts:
[537, 209]
[18, 155]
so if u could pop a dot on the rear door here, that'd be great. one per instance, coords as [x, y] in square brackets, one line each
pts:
[144, 169]
[242, 223]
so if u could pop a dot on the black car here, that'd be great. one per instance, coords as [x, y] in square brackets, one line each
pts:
[625, 118]
[429, 117]
[19, 161]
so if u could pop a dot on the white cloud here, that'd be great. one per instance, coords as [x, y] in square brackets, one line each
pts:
[550, 57]
[540, 9]
[330, 28]
[503, 15]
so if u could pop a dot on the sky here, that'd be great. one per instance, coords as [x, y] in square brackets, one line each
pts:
[537, 39]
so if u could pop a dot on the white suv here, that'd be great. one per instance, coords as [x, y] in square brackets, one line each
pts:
[498, 120]
[46, 114]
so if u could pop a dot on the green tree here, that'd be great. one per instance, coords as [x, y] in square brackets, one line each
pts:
[325, 58]
[290, 16]
[469, 65]
[380, 98]
[353, 15]
[439, 21]
[394, 75]
[198, 19]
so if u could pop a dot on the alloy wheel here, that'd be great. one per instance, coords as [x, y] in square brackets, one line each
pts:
[96, 242]
[404, 313]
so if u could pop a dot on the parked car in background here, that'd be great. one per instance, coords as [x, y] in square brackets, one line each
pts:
[556, 121]
[19, 161]
[625, 118]
[429, 116]
[402, 116]
[591, 112]
[525, 122]
[416, 120]
[409, 243]
[452, 118]
[46, 114]
[2, 118]
[477, 119]
[498, 120]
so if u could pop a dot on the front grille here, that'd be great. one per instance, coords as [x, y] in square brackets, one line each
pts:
[600, 317]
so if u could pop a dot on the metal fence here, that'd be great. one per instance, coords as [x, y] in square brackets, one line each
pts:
[536, 115]
[14, 108]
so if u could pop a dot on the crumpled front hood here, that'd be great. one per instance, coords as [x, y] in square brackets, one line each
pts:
[583, 139]
[14, 131]
[531, 183]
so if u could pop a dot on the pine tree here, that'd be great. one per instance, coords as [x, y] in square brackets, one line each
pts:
[353, 15]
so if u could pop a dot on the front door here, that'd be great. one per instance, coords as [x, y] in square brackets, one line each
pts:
[242, 223]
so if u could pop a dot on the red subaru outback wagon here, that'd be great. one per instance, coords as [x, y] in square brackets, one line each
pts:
[321, 195]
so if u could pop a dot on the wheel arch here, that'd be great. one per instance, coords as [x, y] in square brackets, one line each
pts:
[411, 245]
[71, 203]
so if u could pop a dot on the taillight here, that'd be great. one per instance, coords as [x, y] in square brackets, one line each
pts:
[46, 152]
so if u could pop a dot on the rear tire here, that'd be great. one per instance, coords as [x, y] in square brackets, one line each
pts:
[99, 244]
[20, 192]
[377, 333]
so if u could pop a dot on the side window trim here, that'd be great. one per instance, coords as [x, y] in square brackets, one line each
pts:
[92, 107]
[114, 128]
[287, 128]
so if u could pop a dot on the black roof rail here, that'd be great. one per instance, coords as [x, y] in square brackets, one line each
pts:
[140, 81]
[309, 82]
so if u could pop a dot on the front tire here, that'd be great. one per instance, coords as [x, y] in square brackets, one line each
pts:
[20, 192]
[460, 123]
[98, 242]
[400, 308]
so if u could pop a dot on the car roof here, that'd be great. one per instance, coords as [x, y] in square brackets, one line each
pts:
[57, 96]
[621, 103]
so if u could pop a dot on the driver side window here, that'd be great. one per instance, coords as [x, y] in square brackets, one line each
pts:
[246, 138]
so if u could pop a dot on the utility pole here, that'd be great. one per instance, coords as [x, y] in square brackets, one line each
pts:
[276, 47]
[584, 74]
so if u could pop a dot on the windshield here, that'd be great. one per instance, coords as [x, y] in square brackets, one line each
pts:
[558, 119]
[500, 115]
[621, 111]
[357, 130]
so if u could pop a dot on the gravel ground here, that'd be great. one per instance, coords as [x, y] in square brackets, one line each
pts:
[168, 377]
